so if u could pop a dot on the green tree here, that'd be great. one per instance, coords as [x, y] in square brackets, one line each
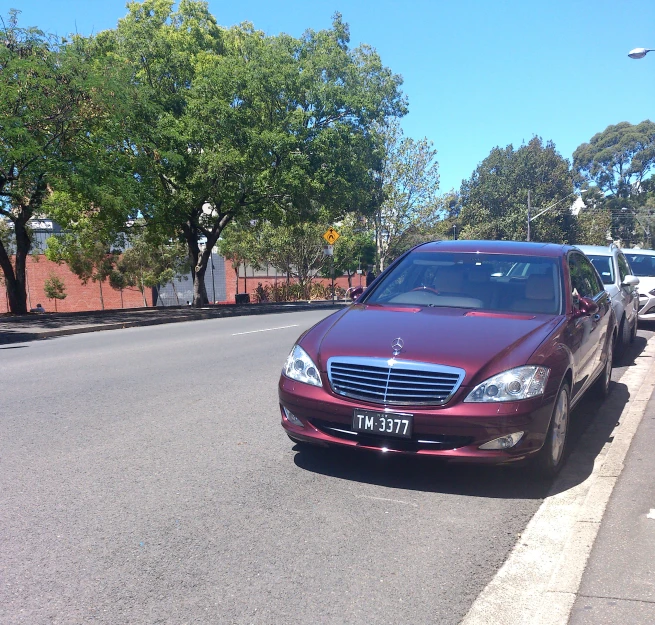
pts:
[51, 97]
[231, 124]
[494, 199]
[149, 262]
[410, 185]
[86, 258]
[54, 288]
[618, 159]
[240, 245]
[354, 249]
[295, 250]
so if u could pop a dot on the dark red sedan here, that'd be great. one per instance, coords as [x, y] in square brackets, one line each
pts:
[467, 350]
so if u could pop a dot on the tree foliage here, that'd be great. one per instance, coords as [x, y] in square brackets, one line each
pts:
[410, 185]
[494, 199]
[619, 158]
[149, 262]
[233, 124]
[51, 97]
[88, 259]
[54, 288]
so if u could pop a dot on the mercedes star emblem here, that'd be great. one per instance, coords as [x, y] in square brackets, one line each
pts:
[397, 346]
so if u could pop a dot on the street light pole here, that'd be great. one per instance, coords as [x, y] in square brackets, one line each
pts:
[529, 215]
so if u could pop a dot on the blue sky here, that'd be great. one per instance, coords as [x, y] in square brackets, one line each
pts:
[477, 73]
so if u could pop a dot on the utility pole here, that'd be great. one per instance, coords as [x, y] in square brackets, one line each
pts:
[528, 216]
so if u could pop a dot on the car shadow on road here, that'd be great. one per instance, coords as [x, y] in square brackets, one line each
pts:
[592, 423]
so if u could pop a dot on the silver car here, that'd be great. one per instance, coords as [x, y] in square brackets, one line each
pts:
[621, 285]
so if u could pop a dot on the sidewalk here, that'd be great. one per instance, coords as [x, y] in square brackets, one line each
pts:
[33, 327]
[618, 585]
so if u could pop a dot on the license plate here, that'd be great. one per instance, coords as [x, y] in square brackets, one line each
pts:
[383, 423]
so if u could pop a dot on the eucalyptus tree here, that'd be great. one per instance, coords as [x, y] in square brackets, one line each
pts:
[229, 123]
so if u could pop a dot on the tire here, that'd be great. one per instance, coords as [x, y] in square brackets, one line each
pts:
[633, 334]
[550, 458]
[622, 339]
[602, 384]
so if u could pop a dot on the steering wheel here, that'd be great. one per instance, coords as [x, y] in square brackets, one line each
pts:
[426, 288]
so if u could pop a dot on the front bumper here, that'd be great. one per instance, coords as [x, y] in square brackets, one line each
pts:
[646, 307]
[453, 432]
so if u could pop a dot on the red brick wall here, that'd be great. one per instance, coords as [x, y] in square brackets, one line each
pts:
[79, 297]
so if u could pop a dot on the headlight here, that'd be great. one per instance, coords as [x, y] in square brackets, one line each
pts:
[652, 292]
[299, 366]
[519, 383]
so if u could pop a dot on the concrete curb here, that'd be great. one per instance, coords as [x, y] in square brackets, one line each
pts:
[539, 581]
[26, 334]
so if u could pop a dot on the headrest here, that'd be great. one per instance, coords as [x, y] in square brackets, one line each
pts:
[478, 274]
[449, 279]
[540, 287]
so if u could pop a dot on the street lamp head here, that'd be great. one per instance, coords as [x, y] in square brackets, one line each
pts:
[639, 53]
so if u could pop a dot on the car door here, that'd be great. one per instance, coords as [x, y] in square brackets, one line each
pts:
[587, 331]
[629, 294]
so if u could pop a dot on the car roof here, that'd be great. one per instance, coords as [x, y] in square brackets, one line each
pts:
[519, 248]
[640, 251]
[598, 250]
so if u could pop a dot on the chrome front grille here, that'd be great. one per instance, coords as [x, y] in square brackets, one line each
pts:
[393, 382]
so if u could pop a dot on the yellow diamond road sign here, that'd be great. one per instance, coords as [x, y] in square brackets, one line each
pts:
[331, 235]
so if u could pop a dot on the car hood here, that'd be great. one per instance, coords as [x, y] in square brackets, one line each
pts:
[481, 343]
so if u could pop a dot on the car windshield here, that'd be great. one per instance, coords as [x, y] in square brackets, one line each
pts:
[642, 265]
[605, 267]
[497, 282]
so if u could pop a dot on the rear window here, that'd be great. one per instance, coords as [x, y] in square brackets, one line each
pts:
[498, 282]
[604, 266]
[642, 265]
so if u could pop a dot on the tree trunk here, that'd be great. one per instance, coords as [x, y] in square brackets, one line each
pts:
[102, 300]
[15, 280]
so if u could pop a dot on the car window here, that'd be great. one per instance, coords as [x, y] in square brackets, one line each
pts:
[499, 282]
[604, 266]
[624, 268]
[584, 278]
[642, 265]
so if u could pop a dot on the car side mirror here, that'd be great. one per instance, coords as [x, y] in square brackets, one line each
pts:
[586, 307]
[355, 292]
[630, 281]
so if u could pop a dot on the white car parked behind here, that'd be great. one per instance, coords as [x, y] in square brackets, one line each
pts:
[642, 263]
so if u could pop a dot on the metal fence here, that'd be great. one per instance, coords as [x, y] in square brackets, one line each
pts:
[179, 292]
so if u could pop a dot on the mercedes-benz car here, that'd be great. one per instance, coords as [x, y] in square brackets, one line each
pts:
[643, 266]
[621, 284]
[449, 353]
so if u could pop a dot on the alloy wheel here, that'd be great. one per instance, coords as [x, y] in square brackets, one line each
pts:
[559, 427]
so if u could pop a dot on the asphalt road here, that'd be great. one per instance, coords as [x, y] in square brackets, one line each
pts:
[144, 478]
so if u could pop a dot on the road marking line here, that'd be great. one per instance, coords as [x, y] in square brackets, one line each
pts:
[407, 503]
[539, 581]
[295, 325]
[651, 514]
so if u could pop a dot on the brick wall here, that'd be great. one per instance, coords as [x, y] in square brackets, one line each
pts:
[87, 297]
[79, 297]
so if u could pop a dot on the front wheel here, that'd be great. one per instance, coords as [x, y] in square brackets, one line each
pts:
[551, 456]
